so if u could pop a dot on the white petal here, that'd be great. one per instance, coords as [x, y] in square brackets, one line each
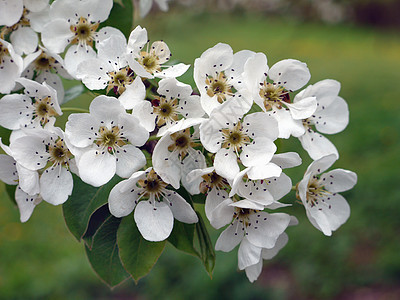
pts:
[257, 153]
[302, 109]
[248, 254]
[56, 35]
[15, 111]
[287, 160]
[254, 71]
[10, 12]
[290, 73]
[339, 180]
[287, 125]
[129, 160]
[96, 168]
[106, 109]
[26, 204]
[280, 243]
[317, 145]
[214, 198]
[155, 222]
[265, 228]
[225, 163]
[28, 180]
[30, 152]
[144, 112]
[8, 170]
[36, 5]
[93, 73]
[260, 124]
[230, 237]
[264, 171]
[131, 129]
[222, 214]
[24, 40]
[173, 71]
[279, 186]
[107, 32]
[75, 55]
[10, 70]
[56, 185]
[167, 164]
[321, 165]
[331, 118]
[80, 129]
[252, 272]
[181, 210]
[134, 94]
[122, 203]
[195, 160]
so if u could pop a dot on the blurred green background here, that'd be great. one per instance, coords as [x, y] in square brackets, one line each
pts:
[41, 259]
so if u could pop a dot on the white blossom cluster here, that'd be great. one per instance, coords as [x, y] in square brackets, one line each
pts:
[220, 142]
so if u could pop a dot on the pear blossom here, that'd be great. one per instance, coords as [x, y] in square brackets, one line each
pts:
[218, 76]
[331, 116]
[45, 150]
[174, 157]
[247, 221]
[74, 22]
[175, 102]
[37, 107]
[105, 141]
[11, 65]
[248, 254]
[326, 209]
[155, 205]
[250, 139]
[8, 174]
[270, 88]
[272, 186]
[44, 66]
[148, 63]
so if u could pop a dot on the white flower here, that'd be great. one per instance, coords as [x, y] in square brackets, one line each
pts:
[11, 65]
[156, 206]
[36, 107]
[270, 88]
[105, 141]
[110, 68]
[174, 157]
[271, 185]
[175, 102]
[147, 63]
[75, 22]
[250, 139]
[8, 173]
[248, 222]
[325, 208]
[331, 116]
[217, 74]
[43, 66]
[45, 150]
[250, 257]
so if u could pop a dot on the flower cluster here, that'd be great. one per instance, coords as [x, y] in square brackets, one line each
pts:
[161, 136]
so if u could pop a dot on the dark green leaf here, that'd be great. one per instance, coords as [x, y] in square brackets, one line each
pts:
[121, 17]
[5, 135]
[182, 237]
[83, 202]
[104, 255]
[138, 256]
[95, 222]
[207, 253]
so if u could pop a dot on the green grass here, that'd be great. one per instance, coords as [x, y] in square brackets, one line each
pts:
[40, 259]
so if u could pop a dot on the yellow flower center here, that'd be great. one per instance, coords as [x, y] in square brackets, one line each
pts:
[235, 138]
[165, 110]
[59, 153]
[119, 80]
[273, 95]
[218, 86]
[150, 62]
[84, 32]
[110, 140]
[44, 110]
[182, 141]
[153, 186]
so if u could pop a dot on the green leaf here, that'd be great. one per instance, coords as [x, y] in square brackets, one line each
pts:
[74, 92]
[138, 256]
[96, 220]
[207, 253]
[104, 255]
[121, 17]
[83, 202]
[182, 237]
[5, 136]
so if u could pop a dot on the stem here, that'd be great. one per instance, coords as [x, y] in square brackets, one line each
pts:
[76, 109]
[153, 138]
